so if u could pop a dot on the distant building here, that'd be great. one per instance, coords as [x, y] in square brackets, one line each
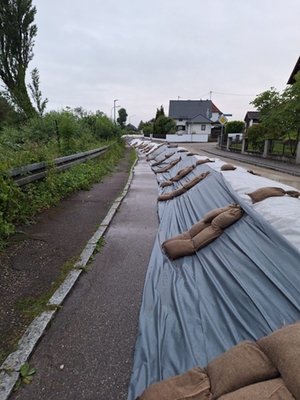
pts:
[296, 69]
[195, 116]
[252, 117]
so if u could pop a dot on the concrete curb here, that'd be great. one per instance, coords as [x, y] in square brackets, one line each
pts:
[11, 366]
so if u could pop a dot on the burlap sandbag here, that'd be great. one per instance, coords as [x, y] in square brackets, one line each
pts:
[153, 157]
[191, 153]
[192, 385]
[264, 193]
[166, 183]
[195, 180]
[165, 197]
[182, 151]
[199, 162]
[228, 167]
[172, 146]
[169, 166]
[242, 365]
[171, 195]
[163, 159]
[178, 248]
[227, 218]
[283, 349]
[182, 173]
[198, 227]
[182, 236]
[215, 212]
[192, 182]
[273, 389]
[293, 193]
[205, 237]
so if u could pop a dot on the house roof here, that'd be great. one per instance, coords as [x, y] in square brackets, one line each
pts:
[294, 72]
[189, 109]
[252, 115]
[200, 119]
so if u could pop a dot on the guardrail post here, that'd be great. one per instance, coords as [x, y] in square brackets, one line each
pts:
[298, 153]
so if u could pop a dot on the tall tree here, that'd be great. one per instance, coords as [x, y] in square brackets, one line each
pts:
[36, 93]
[17, 32]
[122, 117]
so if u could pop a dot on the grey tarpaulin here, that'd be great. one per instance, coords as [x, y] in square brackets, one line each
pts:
[242, 286]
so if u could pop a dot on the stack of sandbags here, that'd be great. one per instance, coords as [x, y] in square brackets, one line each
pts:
[203, 232]
[267, 369]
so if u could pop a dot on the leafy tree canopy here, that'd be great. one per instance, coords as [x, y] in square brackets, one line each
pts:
[17, 32]
[235, 127]
[122, 117]
[280, 112]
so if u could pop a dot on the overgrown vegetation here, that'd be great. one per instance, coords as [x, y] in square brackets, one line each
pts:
[279, 116]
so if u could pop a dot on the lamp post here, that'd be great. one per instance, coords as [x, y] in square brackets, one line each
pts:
[131, 117]
[115, 110]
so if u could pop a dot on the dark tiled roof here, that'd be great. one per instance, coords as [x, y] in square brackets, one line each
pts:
[294, 72]
[189, 109]
[252, 115]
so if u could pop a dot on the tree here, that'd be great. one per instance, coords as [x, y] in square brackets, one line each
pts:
[160, 113]
[36, 93]
[280, 113]
[235, 127]
[164, 126]
[17, 32]
[122, 117]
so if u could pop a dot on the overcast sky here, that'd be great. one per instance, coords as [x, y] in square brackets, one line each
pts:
[145, 53]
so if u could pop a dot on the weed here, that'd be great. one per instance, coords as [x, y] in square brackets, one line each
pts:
[25, 375]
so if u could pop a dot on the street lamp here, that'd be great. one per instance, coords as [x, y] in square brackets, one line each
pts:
[131, 117]
[115, 110]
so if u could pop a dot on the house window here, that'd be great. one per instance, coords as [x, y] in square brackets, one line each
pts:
[203, 127]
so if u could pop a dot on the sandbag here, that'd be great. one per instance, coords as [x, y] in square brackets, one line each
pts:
[166, 183]
[242, 365]
[227, 218]
[273, 389]
[198, 227]
[171, 195]
[182, 236]
[199, 162]
[283, 349]
[228, 167]
[178, 248]
[195, 180]
[265, 192]
[182, 173]
[215, 212]
[205, 237]
[169, 166]
[192, 385]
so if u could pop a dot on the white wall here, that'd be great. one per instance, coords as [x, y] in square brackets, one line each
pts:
[187, 138]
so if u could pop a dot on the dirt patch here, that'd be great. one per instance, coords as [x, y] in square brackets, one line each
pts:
[32, 261]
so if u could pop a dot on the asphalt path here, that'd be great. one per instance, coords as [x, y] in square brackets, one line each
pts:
[87, 353]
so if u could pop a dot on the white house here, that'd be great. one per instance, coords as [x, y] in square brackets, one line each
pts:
[194, 116]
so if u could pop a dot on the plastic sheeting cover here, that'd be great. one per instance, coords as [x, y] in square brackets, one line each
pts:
[242, 286]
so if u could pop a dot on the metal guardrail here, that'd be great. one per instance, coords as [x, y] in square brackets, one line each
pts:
[33, 172]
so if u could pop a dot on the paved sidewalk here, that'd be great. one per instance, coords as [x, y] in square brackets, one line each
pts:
[287, 168]
[88, 351]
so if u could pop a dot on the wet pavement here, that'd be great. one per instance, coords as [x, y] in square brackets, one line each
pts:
[87, 353]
